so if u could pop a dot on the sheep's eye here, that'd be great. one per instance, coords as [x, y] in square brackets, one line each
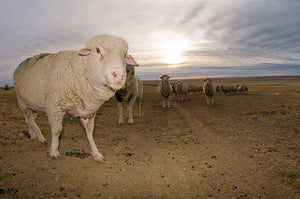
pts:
[98, 50]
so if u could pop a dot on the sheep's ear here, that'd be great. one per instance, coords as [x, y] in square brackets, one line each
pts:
[84, 51]
[130, 60]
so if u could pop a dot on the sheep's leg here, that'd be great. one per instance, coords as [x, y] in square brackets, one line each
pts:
[139, 105]
[55, 119]
[207, 100]
[139, 109]
[168, 101]
[129, 109]
[121, 119]
[164, 102]
[33, 128]
[88, 125]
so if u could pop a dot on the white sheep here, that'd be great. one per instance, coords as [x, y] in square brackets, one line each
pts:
[209, 90]
[242, 89]
[133, 92]
[182, 90]
[164, 90]
[174, 88]
[76, 83]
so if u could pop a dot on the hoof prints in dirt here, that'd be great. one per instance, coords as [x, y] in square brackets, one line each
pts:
[78, 153]
[4, 192]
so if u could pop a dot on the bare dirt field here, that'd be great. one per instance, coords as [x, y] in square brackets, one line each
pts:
[244, 146]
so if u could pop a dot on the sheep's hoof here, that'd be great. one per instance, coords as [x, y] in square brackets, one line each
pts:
[130, 122]
[54, 154]
[99, 157]
[42, 140]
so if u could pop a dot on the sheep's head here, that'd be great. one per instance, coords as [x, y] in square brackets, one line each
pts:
[179, 83]
[130, 69]
[106, 61]
[207, 80]
[165, 78]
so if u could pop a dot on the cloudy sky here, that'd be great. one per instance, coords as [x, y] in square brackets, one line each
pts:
[193, 38]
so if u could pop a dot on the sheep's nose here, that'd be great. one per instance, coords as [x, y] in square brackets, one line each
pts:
[118, 77]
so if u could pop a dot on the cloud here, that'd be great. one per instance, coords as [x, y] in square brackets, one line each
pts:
[218, 33]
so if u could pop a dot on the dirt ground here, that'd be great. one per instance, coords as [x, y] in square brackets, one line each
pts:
[244, 146]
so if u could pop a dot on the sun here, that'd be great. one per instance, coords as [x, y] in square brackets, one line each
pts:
[171, 53]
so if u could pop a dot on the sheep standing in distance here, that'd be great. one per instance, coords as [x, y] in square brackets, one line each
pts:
[182, 90]
[242, 89]
[132, 93]
[220, 88]
[200, 89]
[164, 90]
[76, 83]
[209, 91]
[192, 89]
[174, 88]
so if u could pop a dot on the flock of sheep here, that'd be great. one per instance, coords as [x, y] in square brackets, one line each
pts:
[167, 88]
[77, 83]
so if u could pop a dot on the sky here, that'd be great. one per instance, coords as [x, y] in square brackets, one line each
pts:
[194, 38]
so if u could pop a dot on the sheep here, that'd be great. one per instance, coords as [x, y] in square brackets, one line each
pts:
[200, 89]
[182, 90]
[132, 93]
[209, 91]
[6, 87]
[174, 88]
[192, 89]
[231, 89]
[164, 90]
[220, 88]
[76, 83]
[242, 89]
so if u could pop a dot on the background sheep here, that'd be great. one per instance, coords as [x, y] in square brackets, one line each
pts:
[76, 83]
[174, 88]
[209, 91]
[243, 89]
[200, 89]
[132, 93]
[192, 89]
[6, 87]
[230, 89]
[220, 88]
[164, 90]
[182, 90]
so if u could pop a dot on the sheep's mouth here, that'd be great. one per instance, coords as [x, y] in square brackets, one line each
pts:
[116, 86]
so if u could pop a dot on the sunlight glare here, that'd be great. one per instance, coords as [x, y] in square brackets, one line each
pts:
[171, 53]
